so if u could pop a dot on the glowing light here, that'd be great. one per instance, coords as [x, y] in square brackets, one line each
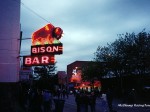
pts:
[45, 44]
[47, 28]
[56, 41]
[37, 43]
[47, 49]
[47, 35]
[38, 60]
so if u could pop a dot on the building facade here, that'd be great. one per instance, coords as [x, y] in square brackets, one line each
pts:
[71, 68]
[9, 40]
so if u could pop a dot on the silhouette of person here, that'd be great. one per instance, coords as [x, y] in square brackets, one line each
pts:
[109, 96]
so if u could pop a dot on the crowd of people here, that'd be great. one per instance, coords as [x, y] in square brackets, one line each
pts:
[83, 99]
[41, 100]
[37, 100]
[62, 93]
[86, 100]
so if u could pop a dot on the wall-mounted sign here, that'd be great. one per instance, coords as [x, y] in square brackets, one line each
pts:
[47, 35]
[45, 44]
[76, 75]
[47, 49]
[38, 60]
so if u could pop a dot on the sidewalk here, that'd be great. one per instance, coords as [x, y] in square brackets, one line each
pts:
[123, 107]
[70, 106]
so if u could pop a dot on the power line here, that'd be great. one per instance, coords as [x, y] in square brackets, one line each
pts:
[32, 11]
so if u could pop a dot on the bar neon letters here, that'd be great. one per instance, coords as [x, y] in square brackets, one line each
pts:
[38, 60]
[45, 59]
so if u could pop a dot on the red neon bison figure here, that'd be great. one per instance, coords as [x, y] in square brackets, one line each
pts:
[47, 35]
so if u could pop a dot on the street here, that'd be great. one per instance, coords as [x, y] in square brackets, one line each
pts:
[70, 106]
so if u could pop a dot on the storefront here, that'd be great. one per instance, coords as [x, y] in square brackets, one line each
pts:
[88, 86]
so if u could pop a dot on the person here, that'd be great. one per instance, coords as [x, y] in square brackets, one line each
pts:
[77, 100]
[84, 101]
[39, 101]
[109, 96]
[92, 101]
[132, 96]
[36, 101]
[67, 93]
[32, 96]
[47, 100]
[63, 93]
[103, 103]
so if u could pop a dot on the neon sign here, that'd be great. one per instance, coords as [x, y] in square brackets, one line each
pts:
[38, 60]
[45, 44]
[47, 49]
[47, 35]
[76, 75]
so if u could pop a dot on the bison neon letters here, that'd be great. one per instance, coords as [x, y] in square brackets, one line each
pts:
[38, 60]
[47, 49]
